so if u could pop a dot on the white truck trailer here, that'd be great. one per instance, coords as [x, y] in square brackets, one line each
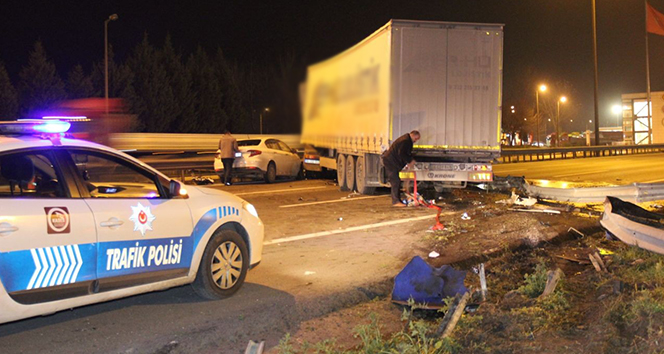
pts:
[441, 78]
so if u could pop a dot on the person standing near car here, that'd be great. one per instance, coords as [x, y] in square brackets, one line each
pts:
[399, 154]
[227, 149]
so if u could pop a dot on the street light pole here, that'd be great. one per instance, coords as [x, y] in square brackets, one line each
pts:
[596, 80]
[113, 17]
[541, 88]
[562, 99]
[266, 109]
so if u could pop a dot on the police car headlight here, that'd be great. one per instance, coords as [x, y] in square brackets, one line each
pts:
[250, 208]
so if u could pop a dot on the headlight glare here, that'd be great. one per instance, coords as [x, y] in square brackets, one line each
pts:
[251, 209]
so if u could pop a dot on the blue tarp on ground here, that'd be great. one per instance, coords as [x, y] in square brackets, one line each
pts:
[426, 284]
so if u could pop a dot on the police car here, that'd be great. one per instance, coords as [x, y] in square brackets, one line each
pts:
[82, 223]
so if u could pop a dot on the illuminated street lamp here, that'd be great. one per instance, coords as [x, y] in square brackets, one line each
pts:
[543, 89]
[266, 109]
[113, 17]
[617, 109]
[562, 99]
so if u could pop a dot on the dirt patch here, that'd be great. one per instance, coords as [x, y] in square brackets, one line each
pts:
[591, 312]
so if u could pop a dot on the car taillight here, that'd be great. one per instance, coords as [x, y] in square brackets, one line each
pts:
[253, 153]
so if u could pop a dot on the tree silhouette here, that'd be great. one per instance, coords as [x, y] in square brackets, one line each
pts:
[40, 86]
[179, 80]
[78, 84]
[210, 116]
[153, 100]
[8, 96]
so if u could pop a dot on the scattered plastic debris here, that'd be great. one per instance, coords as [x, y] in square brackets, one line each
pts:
[547, 211]
[340, 219]
[576, 231]
[427, 285]
[530, 201]
[434, 254]
[465, 216]
[201, 181]
[604, 252]
[255, 348]
[308, 272]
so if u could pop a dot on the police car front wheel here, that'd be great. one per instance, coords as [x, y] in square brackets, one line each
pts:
[223, 267]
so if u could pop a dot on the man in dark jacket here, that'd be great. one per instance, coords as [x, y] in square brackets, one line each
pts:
[227, 149]
[400, 154]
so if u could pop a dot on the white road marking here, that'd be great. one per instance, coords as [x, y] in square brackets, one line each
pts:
[331, 201]
[281, 190]
[350, 229]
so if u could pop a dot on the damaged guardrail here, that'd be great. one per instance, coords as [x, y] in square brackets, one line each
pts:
[635, 193]
[566, 192]
[538, 154]
[633, 225]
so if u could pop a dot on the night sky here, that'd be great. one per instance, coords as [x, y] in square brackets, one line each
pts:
[550, 40]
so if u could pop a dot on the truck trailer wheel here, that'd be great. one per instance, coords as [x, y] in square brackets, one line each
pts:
[350, 172]
[341, 172]
[361, 177]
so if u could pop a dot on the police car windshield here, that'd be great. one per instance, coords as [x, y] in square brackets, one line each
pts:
[250, 142]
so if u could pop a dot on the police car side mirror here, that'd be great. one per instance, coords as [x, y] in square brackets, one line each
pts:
[175, 189]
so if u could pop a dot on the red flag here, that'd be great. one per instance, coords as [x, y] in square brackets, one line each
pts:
[654, 21]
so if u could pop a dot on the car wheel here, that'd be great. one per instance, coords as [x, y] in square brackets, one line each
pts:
[223, 266]
[271, 174]
[300, 173]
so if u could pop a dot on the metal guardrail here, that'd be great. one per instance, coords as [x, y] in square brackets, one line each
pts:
[539, 154]
[635, 193]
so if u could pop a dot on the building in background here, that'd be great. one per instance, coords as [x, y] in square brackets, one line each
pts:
[637, 128]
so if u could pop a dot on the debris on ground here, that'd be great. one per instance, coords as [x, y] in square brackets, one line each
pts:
[483, 288]
[597, 262]
[576, 231]
[352, 195]
[453, 315]
[201, 181]
[572, 259]
[518, 200]
[465, 216]
[255, 348]
[547, 211]
[427, 285]
[434, 254]
[586, 312]
[552, 279]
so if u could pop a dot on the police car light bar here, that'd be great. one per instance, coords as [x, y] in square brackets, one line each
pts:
[34, 126]
[68, 118]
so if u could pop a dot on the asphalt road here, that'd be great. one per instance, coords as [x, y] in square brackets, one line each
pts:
[618, 170]
[323, 269]
[324, 250]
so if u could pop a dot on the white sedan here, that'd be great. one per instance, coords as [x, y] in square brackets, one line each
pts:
[266, 158]
[81, 223]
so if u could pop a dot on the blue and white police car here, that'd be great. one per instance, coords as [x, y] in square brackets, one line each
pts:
[82, 223]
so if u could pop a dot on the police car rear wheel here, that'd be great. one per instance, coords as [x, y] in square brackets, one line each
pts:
[223, 267]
